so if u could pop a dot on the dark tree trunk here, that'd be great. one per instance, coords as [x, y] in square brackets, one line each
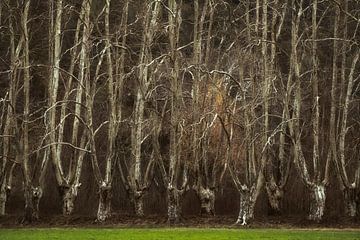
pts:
[4, 194]
[207, 200]
[32, 199]
[352, 202]
[275, 195]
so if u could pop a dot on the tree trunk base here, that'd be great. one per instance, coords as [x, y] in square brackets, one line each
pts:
[247, 204]
[138, 203]
[317, 203]
[4, 193]
[352, 203]
[275, 196]
[32, 200]
[104, 209]
[174, 206]
[69, 194]
[207, 199]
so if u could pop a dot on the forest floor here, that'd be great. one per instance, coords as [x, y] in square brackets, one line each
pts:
[174, 234]
[160, 221]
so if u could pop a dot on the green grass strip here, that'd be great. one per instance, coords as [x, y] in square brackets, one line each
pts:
[174, 234]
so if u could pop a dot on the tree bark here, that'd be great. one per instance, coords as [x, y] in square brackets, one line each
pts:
[352, 201]
[317, 202]
[137, 199]
[32, 199]
[275, 195]
[104, 209]
[174, 198]
[68, 194]
[247, 204]
[4, 193]
[207, 200]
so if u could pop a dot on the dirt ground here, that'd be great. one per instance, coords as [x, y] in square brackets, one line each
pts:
[125, 221]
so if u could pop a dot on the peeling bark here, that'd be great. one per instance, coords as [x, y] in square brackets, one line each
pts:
[104, 209]
[207, 199]
[174, 205]
[317, 203]
[32, 199]
[247, 204]
[275, 195]
[351, 198]
[137, 199]
[4, 195]
[3, 198]
[69, 194]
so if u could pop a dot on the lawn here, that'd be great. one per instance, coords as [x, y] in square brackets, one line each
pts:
[175, 234]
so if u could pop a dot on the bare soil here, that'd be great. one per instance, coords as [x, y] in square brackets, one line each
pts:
[154, 221]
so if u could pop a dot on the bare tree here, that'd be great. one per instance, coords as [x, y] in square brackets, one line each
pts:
[207, 164]
[278, 167]
[68, 183]
[349, 185]
[135, 181]
[9, 121]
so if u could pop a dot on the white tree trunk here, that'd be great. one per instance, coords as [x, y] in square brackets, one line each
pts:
[69, 194]
[104, 209]
[137, 199]
[247, 204]
[174, 205]
[317, 202]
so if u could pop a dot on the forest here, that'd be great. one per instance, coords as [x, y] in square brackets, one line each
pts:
[178, 107]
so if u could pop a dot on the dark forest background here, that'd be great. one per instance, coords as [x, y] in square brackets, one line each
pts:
[179, 108]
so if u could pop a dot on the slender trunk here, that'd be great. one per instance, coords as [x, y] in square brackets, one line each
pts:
[315, 105]
[3, 197]
[317, 202]
[24, 151]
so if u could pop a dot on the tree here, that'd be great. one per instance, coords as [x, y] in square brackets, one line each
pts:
[135, 181]
[68, 183]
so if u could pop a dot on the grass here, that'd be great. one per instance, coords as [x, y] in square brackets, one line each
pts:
[175, 234]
